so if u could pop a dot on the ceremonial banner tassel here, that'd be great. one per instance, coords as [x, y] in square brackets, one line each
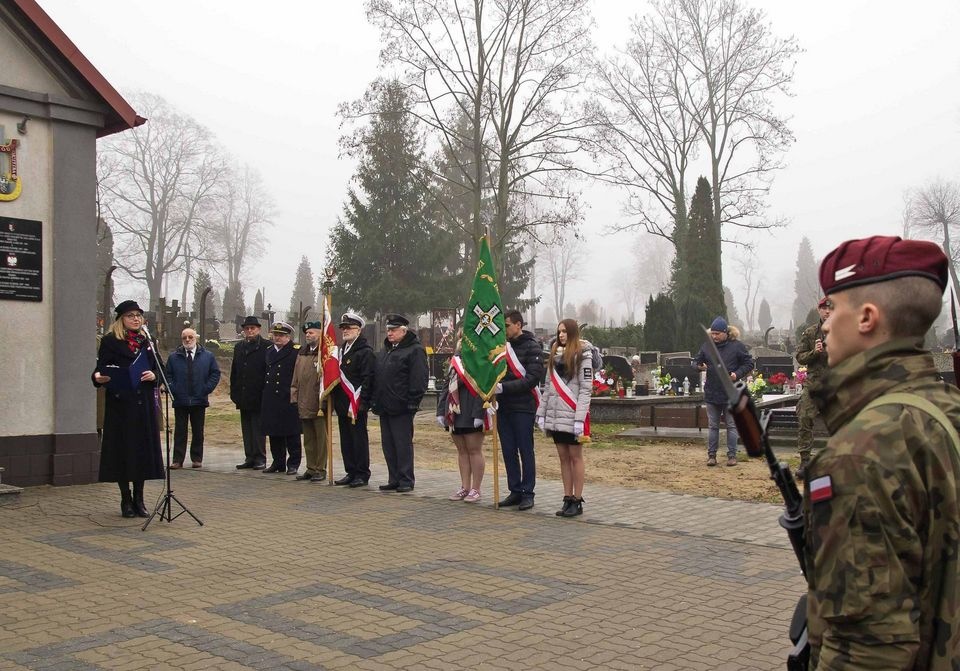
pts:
[483, 349]
[330, 376]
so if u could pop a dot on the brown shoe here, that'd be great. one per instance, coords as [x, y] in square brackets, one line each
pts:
[732, 461]
[712, 461]
[197, 464]
[175, 465]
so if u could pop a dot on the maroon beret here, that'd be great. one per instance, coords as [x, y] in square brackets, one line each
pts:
[883, 257]
[823, 302]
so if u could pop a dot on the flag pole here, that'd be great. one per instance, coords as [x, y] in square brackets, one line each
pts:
[496, 461]
[328, 311]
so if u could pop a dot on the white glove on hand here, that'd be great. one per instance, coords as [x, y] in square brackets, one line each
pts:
[499, 388]
[478, 423]
[541, 421]
[442, 421]
[578, 428]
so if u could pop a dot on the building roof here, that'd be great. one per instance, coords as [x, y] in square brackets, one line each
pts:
[121, 116]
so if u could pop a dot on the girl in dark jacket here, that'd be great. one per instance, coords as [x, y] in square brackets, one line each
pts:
[130, 447]
[460, 411]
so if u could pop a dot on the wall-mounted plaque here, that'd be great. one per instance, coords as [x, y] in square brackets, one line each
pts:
[21, 260]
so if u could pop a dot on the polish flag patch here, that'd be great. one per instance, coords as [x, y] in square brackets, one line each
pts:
[821, 489]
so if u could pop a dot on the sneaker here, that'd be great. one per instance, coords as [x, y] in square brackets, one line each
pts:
[472, 496]
[712, 461]
[732, 461]
[459, 494]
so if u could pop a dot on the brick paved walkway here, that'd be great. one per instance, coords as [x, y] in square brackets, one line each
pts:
[299, 575]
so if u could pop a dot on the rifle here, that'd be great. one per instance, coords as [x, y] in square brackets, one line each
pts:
[753, 432]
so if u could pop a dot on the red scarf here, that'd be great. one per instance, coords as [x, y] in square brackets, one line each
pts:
[134, 341]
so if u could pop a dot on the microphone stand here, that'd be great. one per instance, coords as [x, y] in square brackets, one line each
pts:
[164, 506]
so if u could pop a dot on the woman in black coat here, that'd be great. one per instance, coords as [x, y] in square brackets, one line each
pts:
[130, 446]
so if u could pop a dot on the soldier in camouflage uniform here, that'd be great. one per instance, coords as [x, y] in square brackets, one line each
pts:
[881, 500]
[810, 353]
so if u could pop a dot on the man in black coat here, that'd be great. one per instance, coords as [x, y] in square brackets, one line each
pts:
[351, 400]
[400, 381]
[518, 396]
[247, 376]
[280, 419]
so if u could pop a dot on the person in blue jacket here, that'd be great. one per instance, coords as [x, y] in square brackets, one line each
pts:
[739, 362]
[193, 374]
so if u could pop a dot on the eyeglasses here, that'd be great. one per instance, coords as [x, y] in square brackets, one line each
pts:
[187, 337]
[133, 315]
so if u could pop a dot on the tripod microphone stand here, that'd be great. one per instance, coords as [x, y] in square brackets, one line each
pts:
[164, 506]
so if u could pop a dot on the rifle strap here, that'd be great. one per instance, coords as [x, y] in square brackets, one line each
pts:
[920, 403]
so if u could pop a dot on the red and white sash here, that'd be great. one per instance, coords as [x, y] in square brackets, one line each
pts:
[353, 394]
[457, 364]
[563, 391]
[519, 372]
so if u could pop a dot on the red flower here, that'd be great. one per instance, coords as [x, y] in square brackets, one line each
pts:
[778, 378]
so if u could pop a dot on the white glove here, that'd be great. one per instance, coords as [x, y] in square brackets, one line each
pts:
[499, 388]
[442, 421]
[578, 428]
[541, 421]
[478, 423]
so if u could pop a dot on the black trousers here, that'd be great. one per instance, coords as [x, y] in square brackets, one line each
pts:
[286, 451]
[254, 442]
[196, 415]
[396, 434]
[355, 445]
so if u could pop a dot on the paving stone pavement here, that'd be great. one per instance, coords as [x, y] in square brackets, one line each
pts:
[300, 575]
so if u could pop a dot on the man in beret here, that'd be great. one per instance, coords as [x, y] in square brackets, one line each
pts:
[400, 381]
[280, 419]
[248, 372]
[305, 392]
[812, 354]
[881, 499]
[351, 400]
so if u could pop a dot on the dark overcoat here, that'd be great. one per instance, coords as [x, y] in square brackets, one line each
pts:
[130, 446]
[278, 416]
[248, 373]
[400, 377]
[358, 366]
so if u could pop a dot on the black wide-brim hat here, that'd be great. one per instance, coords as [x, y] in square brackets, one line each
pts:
[250, 321]
[127, 306]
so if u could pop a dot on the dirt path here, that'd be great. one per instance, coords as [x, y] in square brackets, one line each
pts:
[660, 466]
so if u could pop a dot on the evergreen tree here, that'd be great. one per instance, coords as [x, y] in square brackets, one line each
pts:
[104, 261]
[216, 305]
[200, 282]
[697, 288]
[258, 303]
[660, 324]
[806, 283]
[303, 291]
[764, 318]
[733, 317]
[387, 250]
[233, 306]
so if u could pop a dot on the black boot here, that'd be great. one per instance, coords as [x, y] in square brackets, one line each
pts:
[138, 506]
[567, 502]
[575, 508]
[126, 501]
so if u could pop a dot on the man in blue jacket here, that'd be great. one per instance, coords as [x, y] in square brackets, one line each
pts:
[193, 374]
[739, 362]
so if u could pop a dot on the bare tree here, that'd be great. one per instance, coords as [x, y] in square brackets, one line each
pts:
[747, 269]
[934, 212]
[244, 211]
[560, 264]
[154, 184]
[699, 75]
[491, 81]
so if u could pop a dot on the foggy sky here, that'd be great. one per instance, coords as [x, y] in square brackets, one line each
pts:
[875, 110]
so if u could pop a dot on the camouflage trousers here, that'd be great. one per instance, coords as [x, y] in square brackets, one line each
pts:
[806, 414]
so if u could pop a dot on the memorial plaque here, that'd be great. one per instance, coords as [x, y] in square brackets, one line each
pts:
[21, 260]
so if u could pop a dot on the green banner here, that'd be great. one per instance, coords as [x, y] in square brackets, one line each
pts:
[484, 344]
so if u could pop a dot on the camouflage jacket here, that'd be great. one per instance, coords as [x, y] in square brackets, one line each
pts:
[883, 519]
[807, 354]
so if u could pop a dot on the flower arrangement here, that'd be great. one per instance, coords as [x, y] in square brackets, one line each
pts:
[777, 381]
[756, 385]
[800, 376]
[661, 378]
[607, 382]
